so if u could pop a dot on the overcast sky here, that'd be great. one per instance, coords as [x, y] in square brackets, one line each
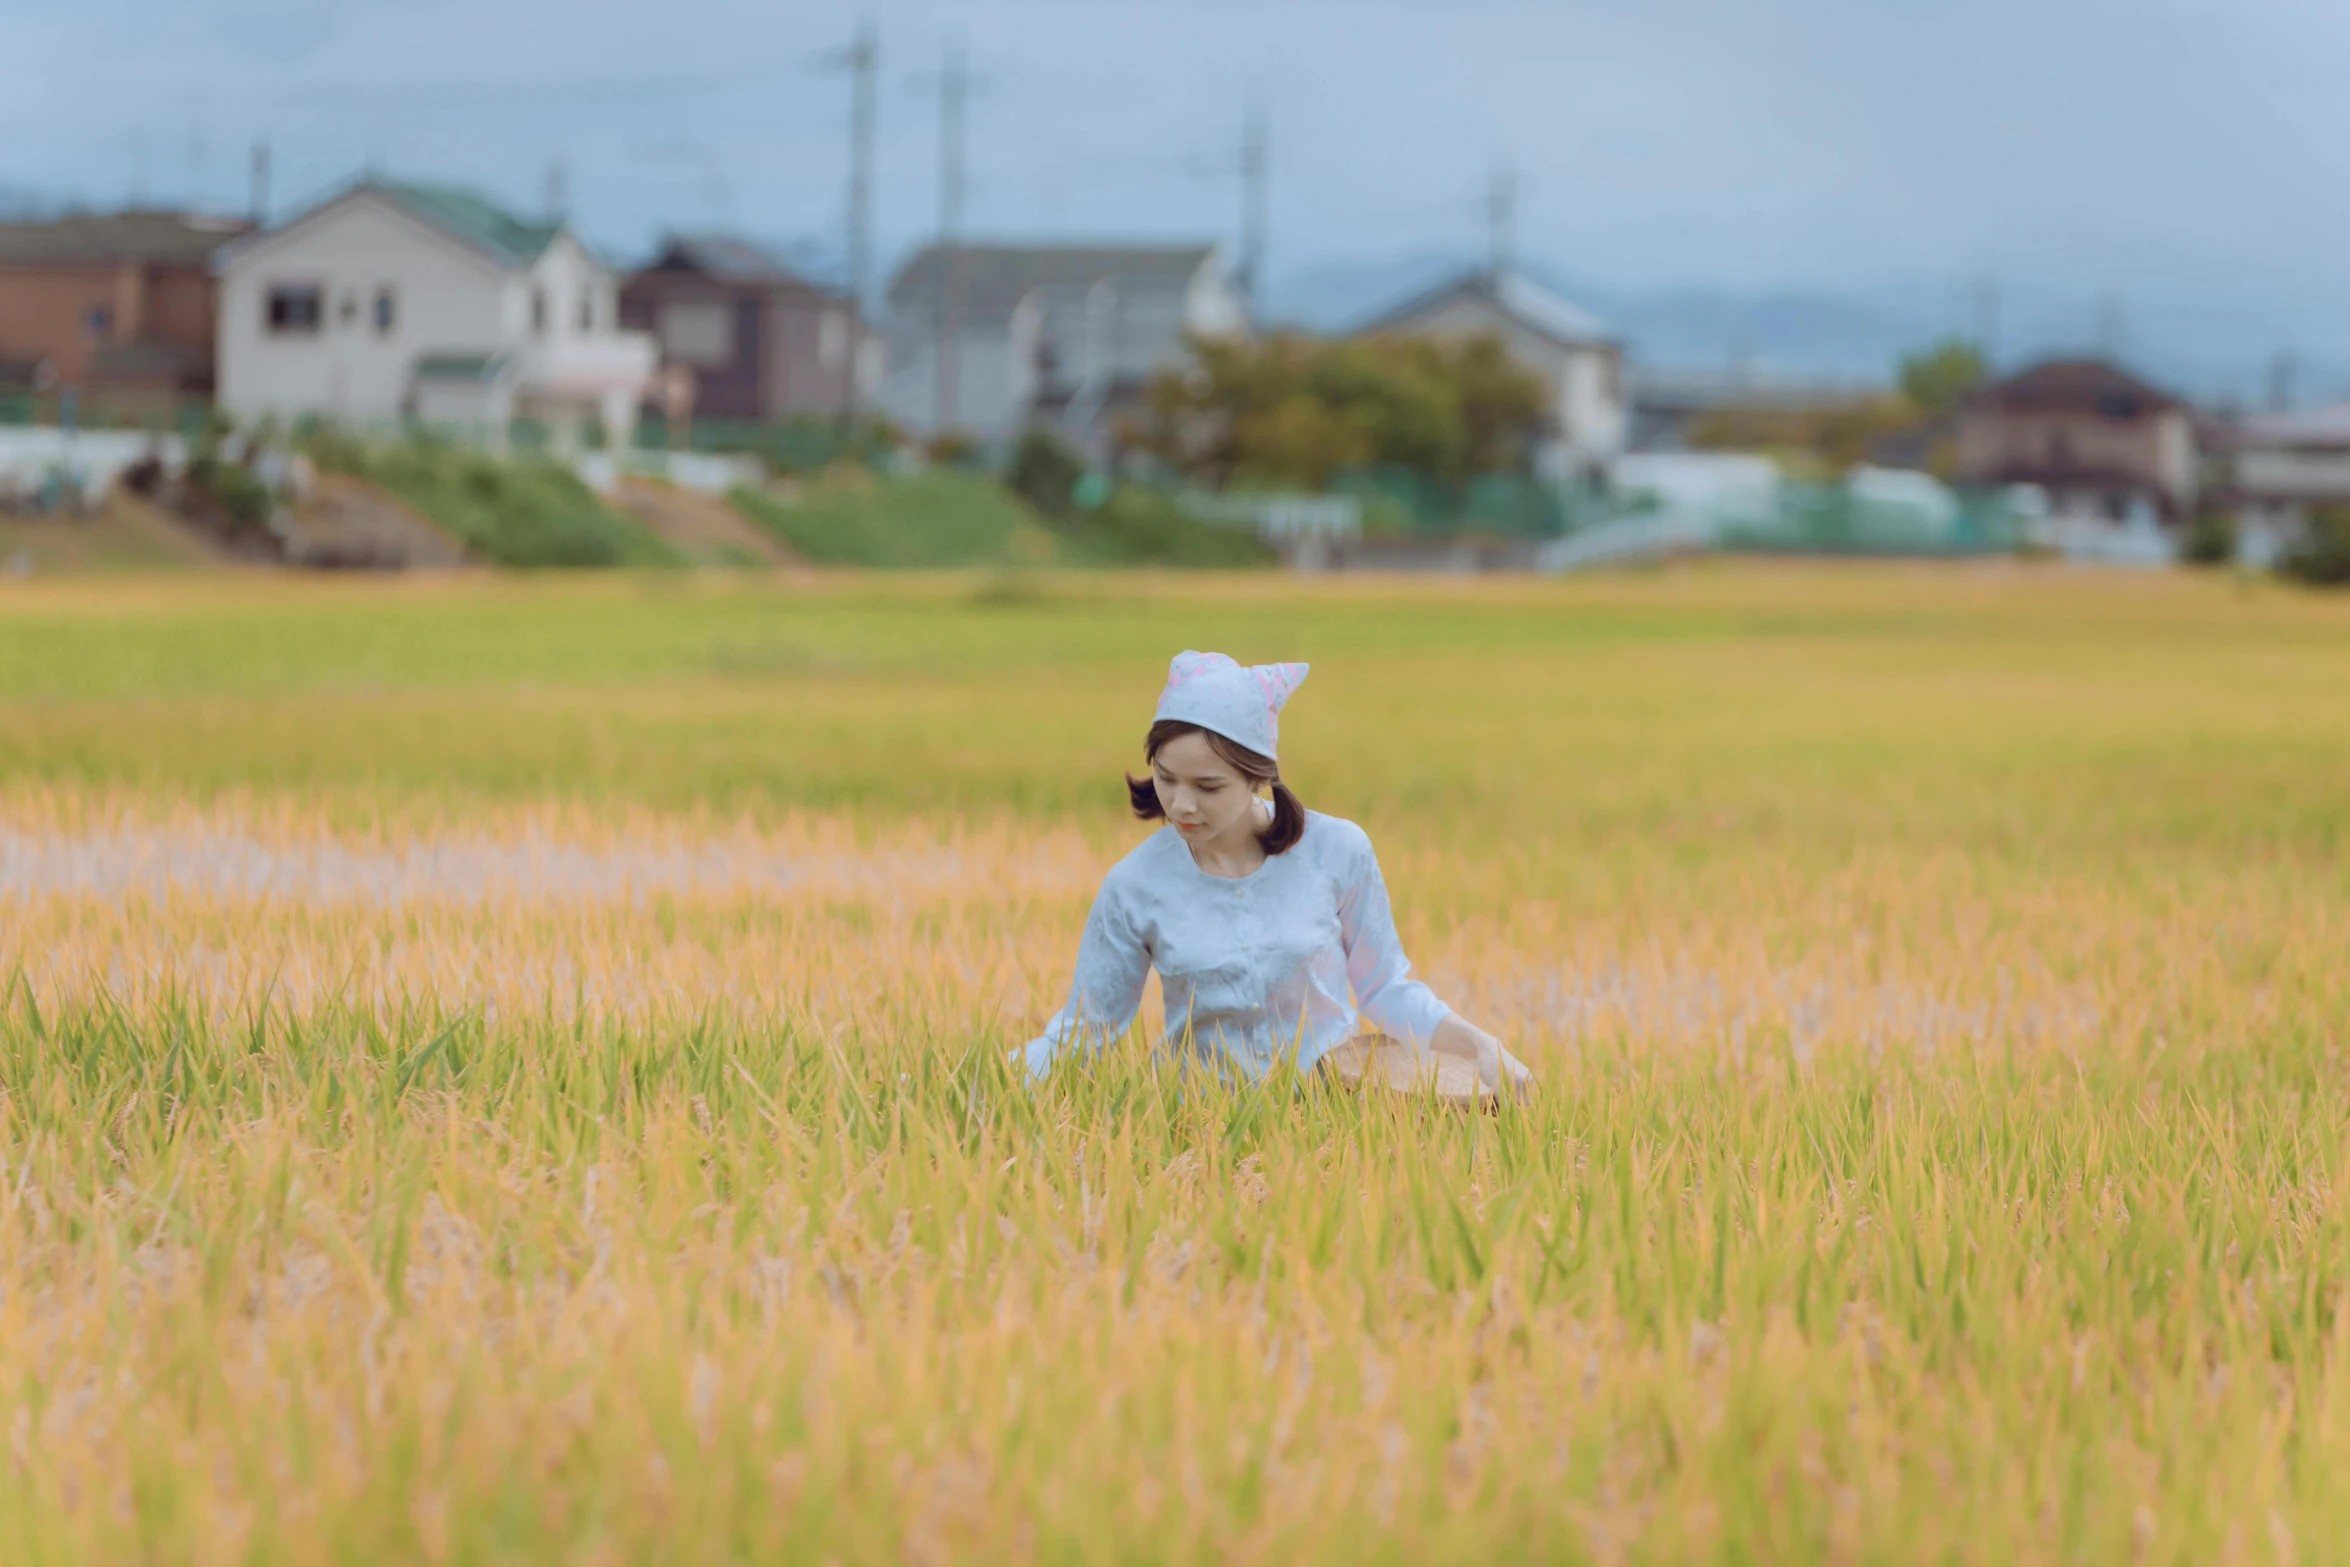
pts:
[2165, 148]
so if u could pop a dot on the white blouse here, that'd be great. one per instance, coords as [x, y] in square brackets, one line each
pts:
[1256, 968]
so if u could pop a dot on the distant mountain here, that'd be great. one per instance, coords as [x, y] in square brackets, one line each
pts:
[2208, 346]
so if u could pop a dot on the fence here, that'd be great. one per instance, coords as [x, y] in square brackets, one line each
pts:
[802, 445]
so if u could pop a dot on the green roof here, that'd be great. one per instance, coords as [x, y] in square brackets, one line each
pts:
[471, 217]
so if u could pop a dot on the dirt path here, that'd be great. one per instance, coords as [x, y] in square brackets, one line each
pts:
[127, 533]
[703, 527]
[353, 524]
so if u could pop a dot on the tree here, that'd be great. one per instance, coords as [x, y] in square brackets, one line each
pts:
[1293, 410]
[1044, 472]
[2321, 557]
[1937, 379]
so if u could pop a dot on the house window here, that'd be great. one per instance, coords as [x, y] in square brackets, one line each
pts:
[386, 312]
[99, 323]
[587, 312]
[295, 309]
[538, 311]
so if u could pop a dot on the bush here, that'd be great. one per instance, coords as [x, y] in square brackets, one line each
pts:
[232, 490]
[2321, 556]
[331, 448]
[527, 513]
[1044, 472]
[2209, 539]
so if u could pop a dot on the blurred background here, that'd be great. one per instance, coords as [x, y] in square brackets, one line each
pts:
[1405, 285]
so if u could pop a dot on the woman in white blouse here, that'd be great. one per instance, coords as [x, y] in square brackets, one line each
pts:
[1263, 918]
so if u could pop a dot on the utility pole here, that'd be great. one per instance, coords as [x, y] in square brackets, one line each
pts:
[1255, 154]
[951, 88]
[863, 62]
[2282, 372]
[260, 182]
[1501, 221]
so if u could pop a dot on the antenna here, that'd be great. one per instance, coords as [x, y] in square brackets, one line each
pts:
[1501, 220]
[260, 182]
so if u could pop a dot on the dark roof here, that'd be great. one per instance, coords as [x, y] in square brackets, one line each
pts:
[2076, 386]
[724, 258]
[1514, 295]
[114, 238]
[997, 277]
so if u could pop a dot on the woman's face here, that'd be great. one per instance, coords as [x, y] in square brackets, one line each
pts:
[1203, 796]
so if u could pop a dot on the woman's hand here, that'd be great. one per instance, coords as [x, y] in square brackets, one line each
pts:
[1498, 1072]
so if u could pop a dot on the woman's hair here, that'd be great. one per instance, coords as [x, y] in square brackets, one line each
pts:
[1289, 813]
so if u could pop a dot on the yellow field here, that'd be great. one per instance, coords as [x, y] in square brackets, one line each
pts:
[509, 1071]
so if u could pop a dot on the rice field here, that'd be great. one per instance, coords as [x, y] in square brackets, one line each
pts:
[511, 1071]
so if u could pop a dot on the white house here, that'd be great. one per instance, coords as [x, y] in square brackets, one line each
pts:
[1573, 352]
[989, 339]
[2279, 466]
[424, 302]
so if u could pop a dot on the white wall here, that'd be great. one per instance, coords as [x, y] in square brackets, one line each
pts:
[984, 384]
[2294, 472]
[1586, 393]
[1210, 304]
[446, 300]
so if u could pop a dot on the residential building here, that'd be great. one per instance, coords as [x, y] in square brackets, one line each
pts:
[1571, 350]
[2276, 466]
[1064, 336]
[2102, 444]
[118, 306]
[392, 300]
[759, 341]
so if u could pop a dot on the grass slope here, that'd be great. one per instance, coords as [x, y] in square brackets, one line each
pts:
[515, 513]
[936, 519]
[947, 519]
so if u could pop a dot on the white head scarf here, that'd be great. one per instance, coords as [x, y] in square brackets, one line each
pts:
[1243, 704]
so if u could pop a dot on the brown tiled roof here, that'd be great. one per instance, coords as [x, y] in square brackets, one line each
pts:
[2077, 385]
[116, 238]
